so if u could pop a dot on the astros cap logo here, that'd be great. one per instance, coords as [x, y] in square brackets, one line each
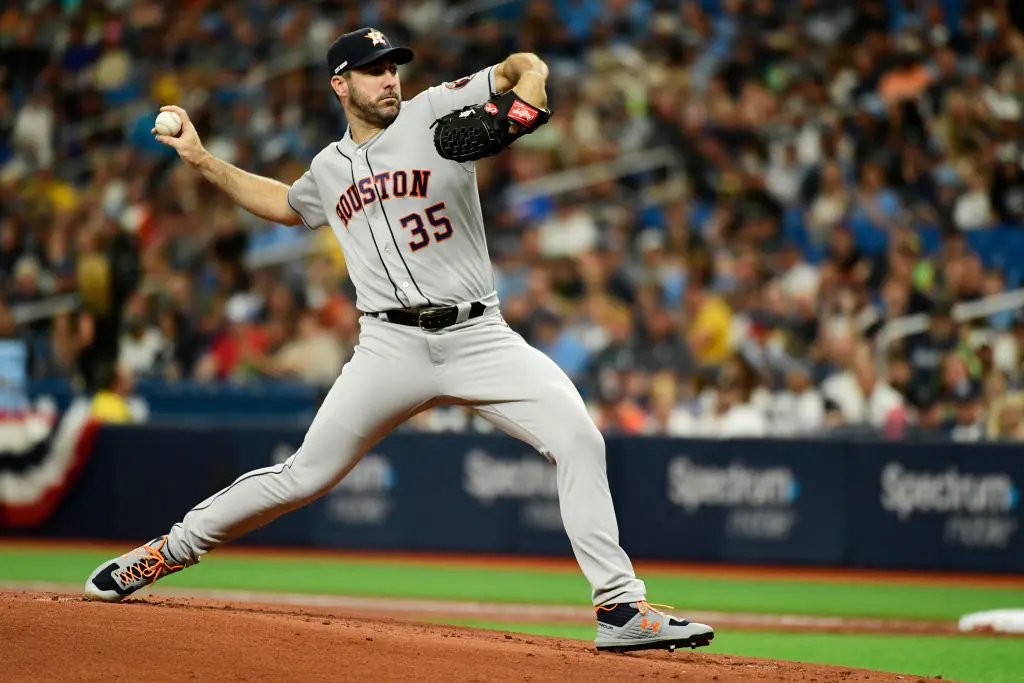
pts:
[377, 37]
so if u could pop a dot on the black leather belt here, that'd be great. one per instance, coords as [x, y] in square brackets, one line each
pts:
[434, 318]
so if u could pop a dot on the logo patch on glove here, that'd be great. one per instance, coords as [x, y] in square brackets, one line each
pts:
[483, 130]
[520, 112]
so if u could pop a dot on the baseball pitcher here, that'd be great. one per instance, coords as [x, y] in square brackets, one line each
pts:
[399, 192]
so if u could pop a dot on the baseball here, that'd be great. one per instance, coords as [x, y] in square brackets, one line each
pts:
[168, 123]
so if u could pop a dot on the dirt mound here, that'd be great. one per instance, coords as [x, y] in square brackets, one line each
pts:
[59, 637]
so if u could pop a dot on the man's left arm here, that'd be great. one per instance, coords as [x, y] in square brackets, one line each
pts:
[516, 106]
[526, 74]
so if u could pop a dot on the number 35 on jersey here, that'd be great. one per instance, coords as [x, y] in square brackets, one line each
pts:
[398, 184]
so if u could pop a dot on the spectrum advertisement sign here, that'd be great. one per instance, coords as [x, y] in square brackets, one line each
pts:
[951, 505]
[730, 500]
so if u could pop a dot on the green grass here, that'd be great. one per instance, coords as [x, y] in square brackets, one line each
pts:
[966, 659]
[398, 579]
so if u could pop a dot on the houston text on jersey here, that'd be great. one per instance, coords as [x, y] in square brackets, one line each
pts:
[366, 191]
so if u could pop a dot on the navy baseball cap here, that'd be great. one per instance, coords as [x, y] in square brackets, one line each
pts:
[362, 47]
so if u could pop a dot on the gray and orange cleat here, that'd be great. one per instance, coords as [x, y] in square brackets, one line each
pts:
[118, 578]
[629, 626]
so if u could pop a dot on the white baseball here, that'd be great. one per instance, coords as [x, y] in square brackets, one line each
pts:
[168, 123]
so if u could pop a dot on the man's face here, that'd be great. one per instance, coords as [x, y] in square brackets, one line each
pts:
[26, 283]
[968, 412]
[900, 373]
[797, 381]
[866, 377]
[729, 396]
[930, 416]
[375, 93]
[1010, 419]
[660, 325]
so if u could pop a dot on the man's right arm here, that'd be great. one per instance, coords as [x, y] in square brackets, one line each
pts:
[264, 197]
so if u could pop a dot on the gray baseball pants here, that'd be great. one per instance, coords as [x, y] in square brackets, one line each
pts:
[397, 371]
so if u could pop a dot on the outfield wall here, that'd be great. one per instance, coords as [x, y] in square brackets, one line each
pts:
[860, 504]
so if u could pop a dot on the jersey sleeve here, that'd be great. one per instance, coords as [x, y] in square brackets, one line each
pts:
[466, 91]
[304, 200]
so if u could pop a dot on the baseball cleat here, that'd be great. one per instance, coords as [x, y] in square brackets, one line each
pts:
[118, 578]
[625, 627]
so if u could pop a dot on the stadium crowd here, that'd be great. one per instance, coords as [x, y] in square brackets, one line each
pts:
[836, 158]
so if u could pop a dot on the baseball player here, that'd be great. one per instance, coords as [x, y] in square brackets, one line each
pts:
[399, 192]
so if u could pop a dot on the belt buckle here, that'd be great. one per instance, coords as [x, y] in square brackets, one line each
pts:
[424, 318]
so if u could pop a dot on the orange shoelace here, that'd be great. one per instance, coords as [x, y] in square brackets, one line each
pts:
[152, 567]
[643, 606]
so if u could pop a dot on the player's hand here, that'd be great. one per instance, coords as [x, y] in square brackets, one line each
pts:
[186, 143]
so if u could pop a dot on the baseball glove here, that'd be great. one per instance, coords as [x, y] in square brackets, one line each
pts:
[483, 130]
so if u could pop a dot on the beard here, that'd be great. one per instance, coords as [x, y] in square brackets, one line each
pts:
[375, 112]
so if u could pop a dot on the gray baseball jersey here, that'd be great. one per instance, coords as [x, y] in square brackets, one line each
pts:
[409, 222]
[410, 225]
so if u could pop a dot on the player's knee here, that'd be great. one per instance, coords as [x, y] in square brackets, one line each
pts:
[307, 485]
[581, 442]
[591, 440]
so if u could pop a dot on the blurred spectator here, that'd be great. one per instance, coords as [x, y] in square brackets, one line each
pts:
[141, 347]
[709, 327]
[662, 346]
[925, 419]
[873, 202]
[926, 350]
[568, 231]
[668, 417]
[785, 174]
[799, 409]
[730, 413]
[236, 351]
[66, 342]
[1008, 184]
[787, 182]
[107, 274]
[554, 340]
[110, 402]
[858, 396]
[613, 411]
[313, 355]
[13, 365]
[33, 134]
[830, 206]
[973, 209]
[968, 419]
[1006, 418]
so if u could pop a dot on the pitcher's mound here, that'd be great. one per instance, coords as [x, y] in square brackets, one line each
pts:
[56, 637]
